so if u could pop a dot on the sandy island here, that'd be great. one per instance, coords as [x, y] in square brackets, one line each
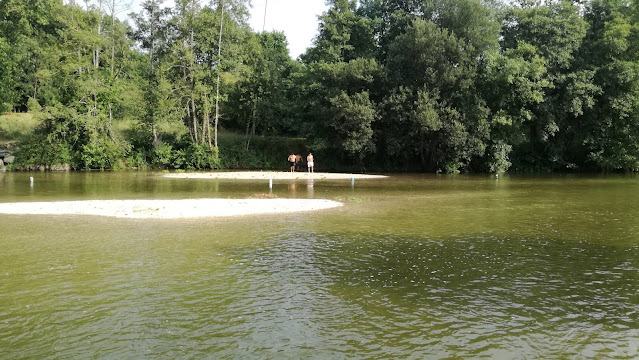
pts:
[191, 208]
[167, 209]
[275, 175]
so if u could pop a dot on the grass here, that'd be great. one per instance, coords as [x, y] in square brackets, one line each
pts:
[264, 153]
[15, 125]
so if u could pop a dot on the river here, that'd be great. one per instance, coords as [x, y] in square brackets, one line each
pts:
[412, 266]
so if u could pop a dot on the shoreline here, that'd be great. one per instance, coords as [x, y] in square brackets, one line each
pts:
[275, 175]
[168, 209]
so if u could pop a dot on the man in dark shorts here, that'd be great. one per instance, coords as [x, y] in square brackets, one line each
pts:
[298, 161]
[291, 160]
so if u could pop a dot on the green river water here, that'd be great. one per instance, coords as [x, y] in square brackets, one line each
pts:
[411, 267]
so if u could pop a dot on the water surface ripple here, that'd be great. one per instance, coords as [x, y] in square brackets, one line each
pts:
[341, 284]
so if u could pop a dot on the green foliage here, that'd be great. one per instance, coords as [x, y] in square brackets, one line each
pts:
[266, 152]
[499, 157]
[50, 143]
[556, 30]
[101, 152]
[136, 160]
[201, 157]
[7, 67]
[343, 35]
[38, 150]
[16, 125]
[434, 114]
[194, 156]
[163, 156]
[263, 101]
[63, 137]
[443, 85]
[351, 121]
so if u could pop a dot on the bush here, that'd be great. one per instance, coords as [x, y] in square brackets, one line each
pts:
[194, 156]
[136, 159]
[264, 153]
[101, 152]
[201, 157]
[162, 156]
[39, 150]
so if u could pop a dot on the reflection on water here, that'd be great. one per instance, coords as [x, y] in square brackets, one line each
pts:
[310, 188]
[410, 267]
[292, 188]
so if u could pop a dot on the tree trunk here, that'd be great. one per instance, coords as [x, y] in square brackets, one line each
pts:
[204, 120]
[254, 125]
[156, 139]
[152, 37]
[110, 121]
[248, 133]
[217, 108]
[194, 117]
[219, 57]
[96, 52]
[250, 125]
[112, 36]
[188, 116]
[203, 138]
[207, 120]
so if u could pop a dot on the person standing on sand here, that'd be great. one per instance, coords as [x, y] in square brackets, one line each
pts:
[298, 161]
[310, 162]
[291, 160]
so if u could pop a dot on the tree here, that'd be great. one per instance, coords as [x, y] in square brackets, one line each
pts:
[433, 75]
[7, 67]
[514, 84]
[351, 118]
[343, 35]
[153, 35]
[556, 32]
[610, 130]
[264, 101]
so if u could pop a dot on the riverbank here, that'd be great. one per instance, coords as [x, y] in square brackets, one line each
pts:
[168, 209]
[275, 175]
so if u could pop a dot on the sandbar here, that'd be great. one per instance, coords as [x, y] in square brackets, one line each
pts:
[167, 209]
[275, 175]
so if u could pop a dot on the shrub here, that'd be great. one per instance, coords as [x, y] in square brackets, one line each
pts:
[201, 157]
[101, 152]
[162, 156]
[38, 149]
[136, 159]
[265, 152]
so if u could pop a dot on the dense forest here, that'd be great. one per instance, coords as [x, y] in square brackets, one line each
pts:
[388, 85]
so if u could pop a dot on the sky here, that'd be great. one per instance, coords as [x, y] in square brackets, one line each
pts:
[296, 18]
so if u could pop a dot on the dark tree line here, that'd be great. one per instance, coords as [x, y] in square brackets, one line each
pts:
[400, 85]
[464, 85]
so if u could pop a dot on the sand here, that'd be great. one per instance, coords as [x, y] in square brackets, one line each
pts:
[167, 209]
[275, 175]
[191, 208]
